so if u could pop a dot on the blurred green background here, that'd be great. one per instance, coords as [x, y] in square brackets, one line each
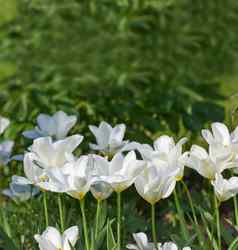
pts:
[160, 66]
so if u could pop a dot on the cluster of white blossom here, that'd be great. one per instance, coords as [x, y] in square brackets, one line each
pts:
[222, 154]
[51, 165]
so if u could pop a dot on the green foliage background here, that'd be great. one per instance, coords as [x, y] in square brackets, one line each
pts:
[160, 66]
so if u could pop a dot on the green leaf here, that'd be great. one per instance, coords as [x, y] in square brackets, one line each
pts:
[208, 231]
[101, 237]
[111, 243]
[102, 216]
[7, 243]
[234, 244]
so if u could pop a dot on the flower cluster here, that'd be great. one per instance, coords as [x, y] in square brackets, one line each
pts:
[50, 164]
[222, 154]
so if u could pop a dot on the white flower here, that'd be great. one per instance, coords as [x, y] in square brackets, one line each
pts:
[120, 172]
[167, 151]
[156, 183]
[78, 177]
[4, 123]
[142, 243]
[219, 135]
[109, 140]
[45, 157]
[208, 164]
[100, 188]
[164, 149]
[49, 154]
[6, 151]
[222, 142]
[51, 239]
[221, 138]
[20, 191]
[56, 126]
[225, 189]
[172, 246]
[75, 178]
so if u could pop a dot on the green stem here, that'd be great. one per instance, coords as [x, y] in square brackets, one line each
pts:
[119, 221]
[45, 209]
[85, 227]
[190, 202]
[97, 218]
[200, 236]
[218, 222]
[154, 234]
[236, 210]
[181, 216]
[61, 214]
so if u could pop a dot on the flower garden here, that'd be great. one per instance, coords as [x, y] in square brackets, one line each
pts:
[118, 125]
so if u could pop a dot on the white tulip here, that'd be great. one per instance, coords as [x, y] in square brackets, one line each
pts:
[219, 135]
[162, 146]
[20, 192]
[51, 239]
[81, 175]
[4, 123]
[45, 157]
[167, 151]
[164, 149]
[172, 246]
[120, 172]
[6, 151]
[223, 143]
[156, 183]
[75, 177]
[208, 164]
[100, 188]
[49, 154]
[225, 189]
[109, 140]
[99, 175]
[221, 138]
[56, 126]
[142, 243]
